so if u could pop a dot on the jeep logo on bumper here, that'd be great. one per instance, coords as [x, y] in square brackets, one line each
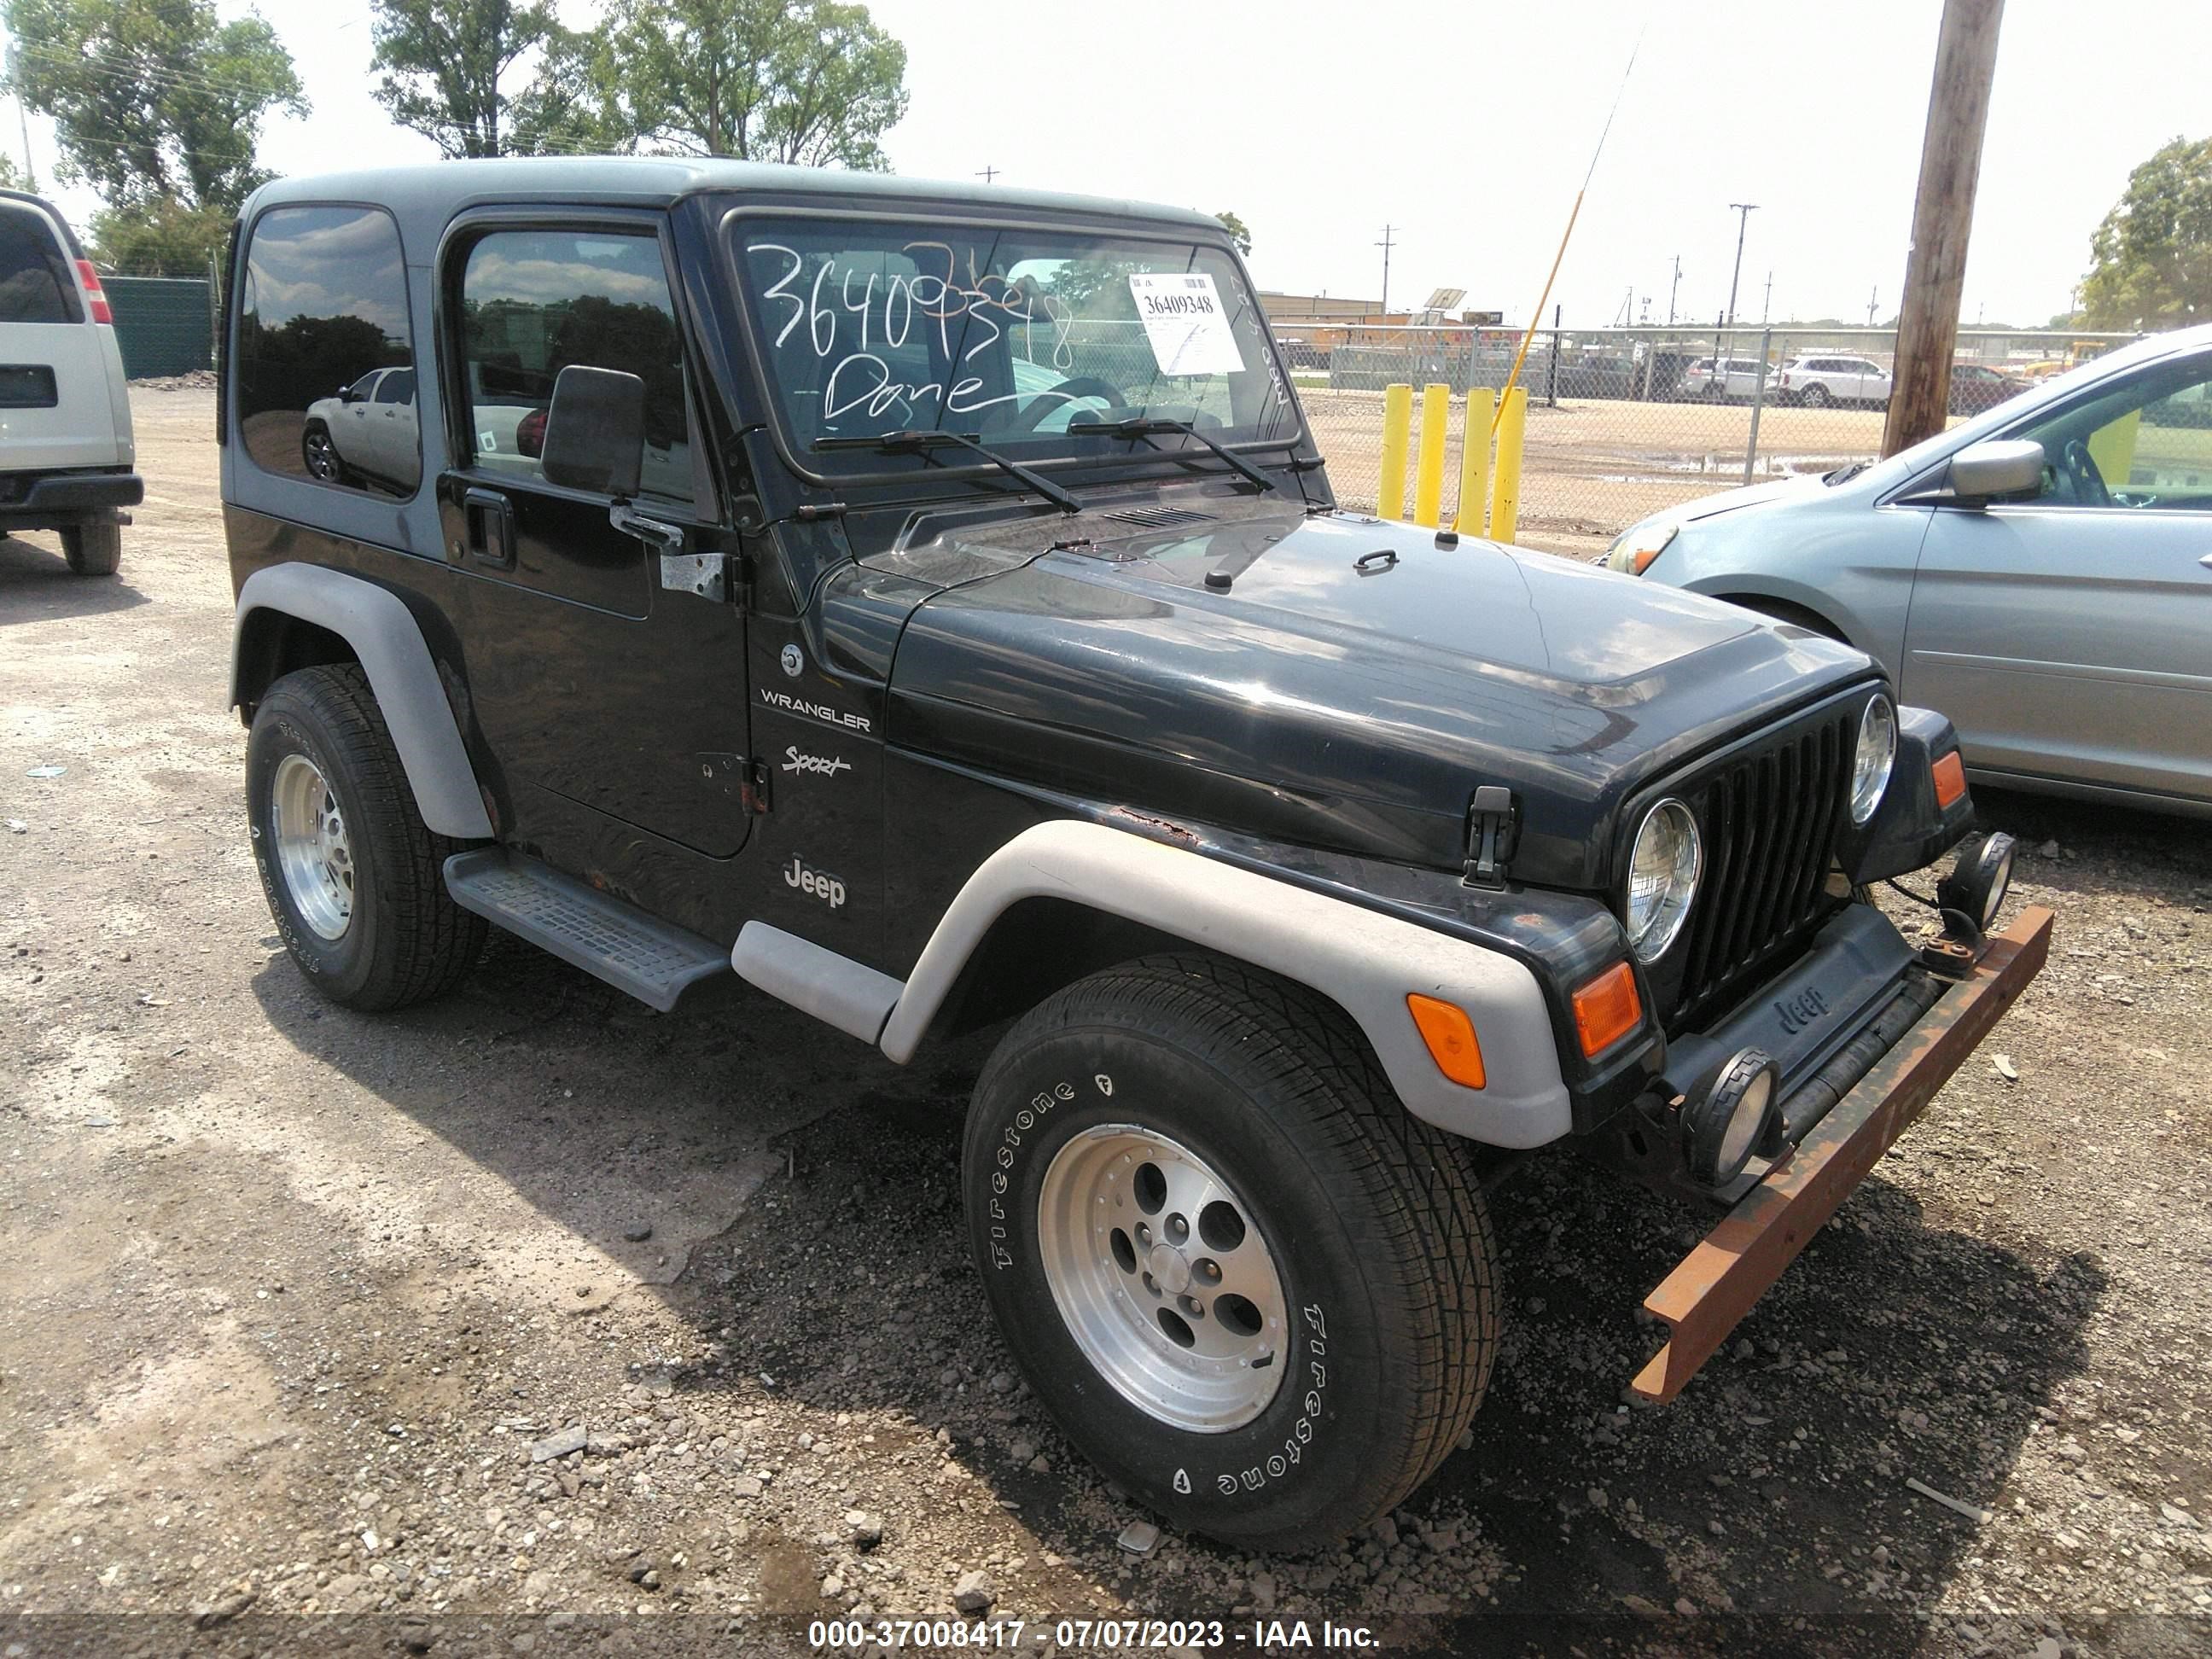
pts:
[1797, 1012]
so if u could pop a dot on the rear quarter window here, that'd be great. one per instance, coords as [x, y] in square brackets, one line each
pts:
[35, 283]
[322, 305]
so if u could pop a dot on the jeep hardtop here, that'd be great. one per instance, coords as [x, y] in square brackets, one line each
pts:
[929, 605]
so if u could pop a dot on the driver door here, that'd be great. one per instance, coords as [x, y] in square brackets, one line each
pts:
[2070, 636]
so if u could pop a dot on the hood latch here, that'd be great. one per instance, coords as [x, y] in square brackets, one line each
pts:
[1493, 825]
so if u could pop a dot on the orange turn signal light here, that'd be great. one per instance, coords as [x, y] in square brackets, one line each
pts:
[1608, 1009]
[1450, 1037]
[1950, 780]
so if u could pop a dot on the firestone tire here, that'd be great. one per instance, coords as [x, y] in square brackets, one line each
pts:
[355, 879]
[1383, 1324]
[94, 549]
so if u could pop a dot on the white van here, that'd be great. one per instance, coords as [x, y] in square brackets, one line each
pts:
[67, 456]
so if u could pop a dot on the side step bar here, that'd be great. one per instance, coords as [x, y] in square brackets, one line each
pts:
[632, 951]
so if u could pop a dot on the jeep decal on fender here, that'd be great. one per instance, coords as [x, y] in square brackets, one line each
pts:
[814, 882]
[819, 711]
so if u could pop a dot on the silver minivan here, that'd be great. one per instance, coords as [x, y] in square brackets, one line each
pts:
[67, 456]
[2041, 573]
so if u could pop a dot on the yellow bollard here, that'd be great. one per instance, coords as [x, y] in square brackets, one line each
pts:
[1505, 489]
[1397, 416]
[1475, 462]
[1428, 476]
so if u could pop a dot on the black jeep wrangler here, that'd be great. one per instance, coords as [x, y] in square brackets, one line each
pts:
[929, 603]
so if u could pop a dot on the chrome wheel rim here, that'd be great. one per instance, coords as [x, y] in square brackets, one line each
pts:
[312, 852]
[322, 455]
[1159, 1269]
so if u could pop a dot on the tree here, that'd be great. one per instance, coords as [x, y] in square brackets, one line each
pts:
[815, 82]
[2152, 253]
[159, 238]
[153, 100]
[1238, 235]
[10, 177]
[442, 61]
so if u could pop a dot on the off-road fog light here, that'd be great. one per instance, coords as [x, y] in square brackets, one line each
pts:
[1979, 876]
[1722, 1127]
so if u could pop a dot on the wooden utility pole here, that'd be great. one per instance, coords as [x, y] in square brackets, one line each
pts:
[1943, 215]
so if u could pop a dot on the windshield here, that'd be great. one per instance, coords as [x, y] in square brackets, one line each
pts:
[875, 326]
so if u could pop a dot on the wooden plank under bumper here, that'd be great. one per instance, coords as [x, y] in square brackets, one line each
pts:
[1716, 1284]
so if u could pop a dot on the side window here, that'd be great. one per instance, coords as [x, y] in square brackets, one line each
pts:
[35, 286]
[324, 305]
[397, 387]
[2146, 442]
[533, 303]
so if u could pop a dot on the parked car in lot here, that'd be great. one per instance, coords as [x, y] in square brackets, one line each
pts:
[1000, 660]
[66, 446]
[1739, 379]
[1826, 379]
[366, 433]
[2042, 572]
[1977, 387]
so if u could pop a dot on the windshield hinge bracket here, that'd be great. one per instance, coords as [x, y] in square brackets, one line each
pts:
[1493, 825]
[752, 790]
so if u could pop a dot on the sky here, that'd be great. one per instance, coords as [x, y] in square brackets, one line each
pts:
[1468, 127]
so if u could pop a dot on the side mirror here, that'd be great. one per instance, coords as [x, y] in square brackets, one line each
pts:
[346, 392]
[595, 431]
[1981, 472]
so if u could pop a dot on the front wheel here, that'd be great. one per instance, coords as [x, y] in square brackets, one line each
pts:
[1250, 1286]
[318, 453]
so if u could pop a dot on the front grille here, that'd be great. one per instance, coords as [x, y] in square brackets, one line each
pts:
[1769, 818]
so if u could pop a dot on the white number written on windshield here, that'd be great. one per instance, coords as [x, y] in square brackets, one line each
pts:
[850, 316]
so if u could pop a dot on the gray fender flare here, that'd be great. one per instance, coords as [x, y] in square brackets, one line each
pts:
[384, 636]
[1367, 962]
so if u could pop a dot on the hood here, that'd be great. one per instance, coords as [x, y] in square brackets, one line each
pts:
[1350, 687]
[1728, 500]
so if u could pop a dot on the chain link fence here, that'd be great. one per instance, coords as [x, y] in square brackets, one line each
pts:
[1622, 422]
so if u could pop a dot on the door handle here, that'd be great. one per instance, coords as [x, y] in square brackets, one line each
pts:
[488, 518]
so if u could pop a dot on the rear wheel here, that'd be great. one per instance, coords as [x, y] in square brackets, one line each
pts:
[94, 549]
[1815, 396]
[1249, 1285]
[354, 878]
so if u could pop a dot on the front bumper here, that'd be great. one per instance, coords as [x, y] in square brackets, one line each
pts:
[1712, 1288]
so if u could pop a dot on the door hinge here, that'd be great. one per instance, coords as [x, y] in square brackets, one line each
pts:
[721, 578]
[1493, 825]
[754, 791]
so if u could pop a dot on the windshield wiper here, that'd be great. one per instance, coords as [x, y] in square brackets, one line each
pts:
[1844, 474]
[1145, 425]
[933, 438]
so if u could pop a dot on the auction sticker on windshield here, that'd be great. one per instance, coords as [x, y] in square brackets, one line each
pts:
[1185, 323]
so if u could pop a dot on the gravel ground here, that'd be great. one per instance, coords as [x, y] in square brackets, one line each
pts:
[533, 1302]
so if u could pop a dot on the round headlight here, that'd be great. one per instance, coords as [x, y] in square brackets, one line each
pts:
[1877, 753]
[1663, 878]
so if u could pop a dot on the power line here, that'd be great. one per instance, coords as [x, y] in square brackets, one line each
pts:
[138, 69]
